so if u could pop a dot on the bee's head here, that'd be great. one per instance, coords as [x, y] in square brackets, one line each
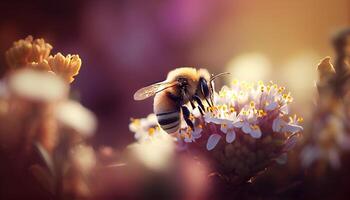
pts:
[187, 84]
[183, 82]
[184, 76]
[206, 83]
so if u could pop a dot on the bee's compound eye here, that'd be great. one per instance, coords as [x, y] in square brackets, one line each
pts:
[204, 87]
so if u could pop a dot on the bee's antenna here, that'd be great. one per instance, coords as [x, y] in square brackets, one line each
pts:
[218, 75]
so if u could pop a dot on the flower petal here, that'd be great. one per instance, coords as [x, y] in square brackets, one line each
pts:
[224, 128]
[271, 106]
[230, 136]
[197, 133]
[212, 119]
[292, 128]
[277, 124]
[246, 128]
[213, 141]
[188, 140]
[284, 109]
[238, 124]
[256, 133]
[208, 117]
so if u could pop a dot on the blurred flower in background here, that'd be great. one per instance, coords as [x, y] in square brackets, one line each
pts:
[43, 134]
[27, 52]
[330, 132]
[154, 148]
[151, 167]
[250, 67]
[35, 54]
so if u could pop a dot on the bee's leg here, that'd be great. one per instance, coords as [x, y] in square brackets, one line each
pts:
[200, 104]
[210, 99]
[209, 102]
[184, 94]
[211, 96]
[186, 115]
[192, 105]
[200, 110]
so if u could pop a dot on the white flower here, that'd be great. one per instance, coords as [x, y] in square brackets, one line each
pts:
[191, 136]
[155, 153]
[249, 123]
[37, 86]
[75, 116]
[293, 125]
[228, 121]
[279, 125]
[146, 128]
[210, 117]
[292, 128]
[246, 107]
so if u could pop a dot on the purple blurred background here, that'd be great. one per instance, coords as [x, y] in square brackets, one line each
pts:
[127, 44]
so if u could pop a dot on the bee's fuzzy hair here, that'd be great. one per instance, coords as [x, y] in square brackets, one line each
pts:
[182, 71]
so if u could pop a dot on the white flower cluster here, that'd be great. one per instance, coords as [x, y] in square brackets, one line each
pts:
[154, 147]
[253, 109]
[146, 128]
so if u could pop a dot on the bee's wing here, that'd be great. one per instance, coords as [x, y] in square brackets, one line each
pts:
[151, 90]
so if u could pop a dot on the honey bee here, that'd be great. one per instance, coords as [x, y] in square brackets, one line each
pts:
[182, 86]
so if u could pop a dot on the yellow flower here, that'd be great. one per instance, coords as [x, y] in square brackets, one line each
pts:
[66, 67]
[43, 66]
[27, 51]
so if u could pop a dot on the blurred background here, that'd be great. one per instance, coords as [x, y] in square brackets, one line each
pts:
[128, 44]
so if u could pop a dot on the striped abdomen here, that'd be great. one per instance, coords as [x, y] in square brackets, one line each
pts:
[169, 121]
[167, 112]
